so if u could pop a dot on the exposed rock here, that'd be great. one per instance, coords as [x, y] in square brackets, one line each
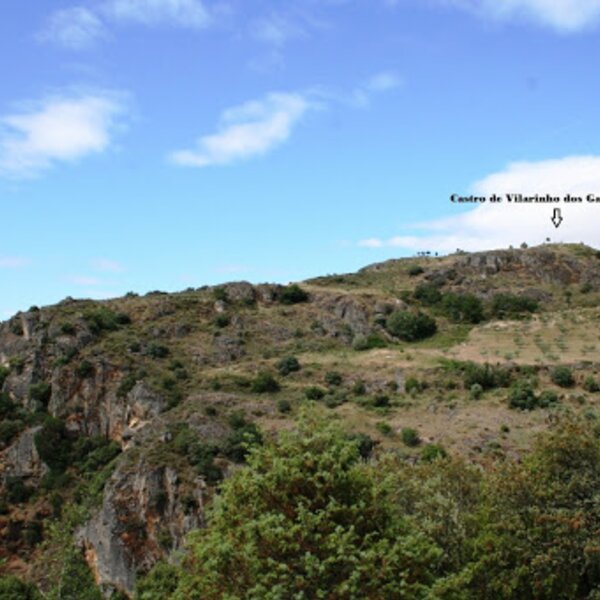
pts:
[21, 459]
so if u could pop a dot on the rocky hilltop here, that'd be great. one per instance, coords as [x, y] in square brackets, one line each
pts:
[121, 417]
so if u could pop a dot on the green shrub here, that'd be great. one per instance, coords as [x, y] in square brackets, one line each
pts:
[159, 584]
[365, 444]
[287, 365]
[547, 398]
[359, 388]
[410, 437]
[380, 401]
[155, 350]
[415, 270]
[562, 376]
[245, 436]
[54, 444]
[4, 373]
[16, 491]
[104, 319]
[586, 288]
[506, 306]
[84, 369]
[384, 428]
[333, 378]
[222, 320]
[476, 391]
[12, 588]
[412, 386]
[9, 431]
[284, 406]
[463, 308]
[368, 342]
[432, 452]
[428, 294]
[487, 376]
[591, 385]
[314, 393]
[293, 294]
[410, 326]
[68, 329]
[522, 396]
[127, 384]
[40, 392]
[264, 383]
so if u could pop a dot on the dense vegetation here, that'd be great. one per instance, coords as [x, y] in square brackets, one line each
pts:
[311, 518]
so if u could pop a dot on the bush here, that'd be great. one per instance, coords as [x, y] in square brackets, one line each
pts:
[294, 525]
[159, 584]
[463, 308]
[9, 431]
[103, 319]
[410, 437]
[314, 393]
[412, 386]
[415, 270]
[157, 351]
[432, 452]
[288, 365]
[562, 376]
[380, 401]
[368, 342]
[591, 385]
[487, 376]
[284, 406]
[54, 445]
[12, 588]
[68, 329]
[333, 378]
[359, 388]
[4, 373]
[522, 396]
[40, 393]
[264, 383]
[410, 326]
[428, 294]
[222, 320]
[476, 391]
[16, 491]
[245, 435]
[293, 294]
[506, 306]
[547, 398]
[84, 369]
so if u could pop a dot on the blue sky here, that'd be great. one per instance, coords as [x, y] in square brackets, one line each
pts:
[162, 144]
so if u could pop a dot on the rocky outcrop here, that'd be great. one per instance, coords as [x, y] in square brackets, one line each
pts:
[146, 512]
[21, 459]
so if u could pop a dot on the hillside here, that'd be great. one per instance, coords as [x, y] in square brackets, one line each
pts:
[120, 418]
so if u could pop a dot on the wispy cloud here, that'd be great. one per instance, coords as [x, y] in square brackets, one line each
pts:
[493, 226]
[76, 28]
[249, 130]
[566, 16]
[108, 265]
[84, 280]
[13, 262]
[378, 84]
[79, 27]
[277, 29]
[182, 13]
[57, 129]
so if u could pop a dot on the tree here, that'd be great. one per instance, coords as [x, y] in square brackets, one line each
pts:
[410, 326]
[307, 519]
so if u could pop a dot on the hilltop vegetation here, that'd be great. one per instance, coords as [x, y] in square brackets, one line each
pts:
[125, 421]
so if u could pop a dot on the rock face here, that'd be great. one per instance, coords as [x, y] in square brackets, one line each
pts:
[21, 459]
[146, 513]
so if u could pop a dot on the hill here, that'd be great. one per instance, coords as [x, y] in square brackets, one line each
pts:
[120, 418]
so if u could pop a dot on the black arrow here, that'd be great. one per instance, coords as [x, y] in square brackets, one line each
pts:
[557, 218]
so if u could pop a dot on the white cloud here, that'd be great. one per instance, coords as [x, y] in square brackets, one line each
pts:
[561, 15]
[276, 30]
[76, 28]
[493, 226]
[57, 129]
[182, 13]
[105, 264]
[378, 84]
[251, 129]
[13, 262]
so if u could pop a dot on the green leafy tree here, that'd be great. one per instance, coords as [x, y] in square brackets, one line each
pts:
[410, 326]
[307, 519]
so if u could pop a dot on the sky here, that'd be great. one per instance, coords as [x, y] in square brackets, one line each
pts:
[166, 144]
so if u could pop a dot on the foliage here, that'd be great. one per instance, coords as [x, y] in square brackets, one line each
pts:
[487, 376]
[4, 373]
[264, 383]
[155, 350]
[428, 294]
[161, 581]
[333, 378]
[40, 392]
[54, 444]
[12, 588]
[368, 342]
[103, 319]
[591, 385]
[476, 391]
[562, 376]
[509, 306]
[415, 270]
[410, 326]
[84, 369]
[432, 452]
[287, 365]
[522, 396]
[463, 308]
[222, 320]
[293, 294]
[410, 437]
[314, 393]
[307, 519]
[244, 437]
